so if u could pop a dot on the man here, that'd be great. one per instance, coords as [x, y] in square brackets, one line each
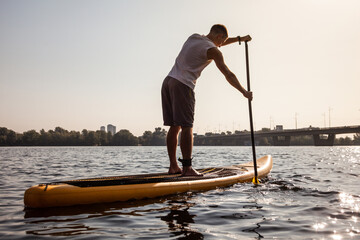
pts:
[178, 100]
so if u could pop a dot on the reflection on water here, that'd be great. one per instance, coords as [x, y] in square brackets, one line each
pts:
[312, 193]
[179, 220]
[61, 221]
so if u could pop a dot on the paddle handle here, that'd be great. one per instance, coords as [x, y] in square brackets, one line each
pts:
[255, 180]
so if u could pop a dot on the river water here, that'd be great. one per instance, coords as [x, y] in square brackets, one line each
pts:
[311, 193]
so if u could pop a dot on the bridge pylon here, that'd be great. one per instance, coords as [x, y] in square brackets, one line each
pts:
[329, 141]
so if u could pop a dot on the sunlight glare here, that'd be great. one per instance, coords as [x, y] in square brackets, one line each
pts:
[336, 237]
[318, 226]
[348, 201]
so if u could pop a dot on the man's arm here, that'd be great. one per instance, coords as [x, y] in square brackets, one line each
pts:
[216, 55]
[236, 39]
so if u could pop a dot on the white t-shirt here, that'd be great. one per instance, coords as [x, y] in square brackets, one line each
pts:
[192, 59]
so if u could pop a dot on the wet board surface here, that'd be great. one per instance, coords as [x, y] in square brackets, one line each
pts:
[208, 173]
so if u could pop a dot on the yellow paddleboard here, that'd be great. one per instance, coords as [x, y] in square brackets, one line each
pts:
[123, 188]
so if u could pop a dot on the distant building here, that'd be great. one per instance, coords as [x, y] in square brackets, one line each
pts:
[102, 128]
[279, 127]
[111, 128]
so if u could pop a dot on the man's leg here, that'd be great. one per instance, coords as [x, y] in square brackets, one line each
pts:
[171, 143]
[186, 145]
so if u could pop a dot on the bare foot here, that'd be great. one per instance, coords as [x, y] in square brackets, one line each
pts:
[174, 170]
[189, 171]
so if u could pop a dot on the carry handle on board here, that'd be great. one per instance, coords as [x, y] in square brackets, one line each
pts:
[255, 179]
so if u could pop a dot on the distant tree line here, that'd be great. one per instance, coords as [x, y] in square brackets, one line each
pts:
[348, 141]
[62, 137]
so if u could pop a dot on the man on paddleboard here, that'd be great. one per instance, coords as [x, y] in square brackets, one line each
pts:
[177, 92]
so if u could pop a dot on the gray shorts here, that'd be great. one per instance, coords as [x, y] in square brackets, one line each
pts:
[178, 103]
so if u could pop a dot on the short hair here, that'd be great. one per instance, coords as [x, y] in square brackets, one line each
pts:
[219, 29]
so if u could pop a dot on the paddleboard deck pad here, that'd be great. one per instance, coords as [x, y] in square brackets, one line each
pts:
[124, 188]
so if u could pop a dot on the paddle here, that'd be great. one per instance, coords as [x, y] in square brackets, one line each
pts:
[255, 179]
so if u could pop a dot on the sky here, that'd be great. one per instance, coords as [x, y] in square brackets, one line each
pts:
[82, 64]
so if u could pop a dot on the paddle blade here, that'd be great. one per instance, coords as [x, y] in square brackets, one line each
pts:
[255, 180]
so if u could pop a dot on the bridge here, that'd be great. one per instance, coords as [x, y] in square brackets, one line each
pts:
[321, 136]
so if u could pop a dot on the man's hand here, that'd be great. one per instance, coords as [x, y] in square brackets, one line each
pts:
[248, 95]
[246, 38]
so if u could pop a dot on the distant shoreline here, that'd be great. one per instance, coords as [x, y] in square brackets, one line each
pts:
[61, 137]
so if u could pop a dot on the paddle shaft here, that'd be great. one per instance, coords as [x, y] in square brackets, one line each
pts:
[250, 111]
